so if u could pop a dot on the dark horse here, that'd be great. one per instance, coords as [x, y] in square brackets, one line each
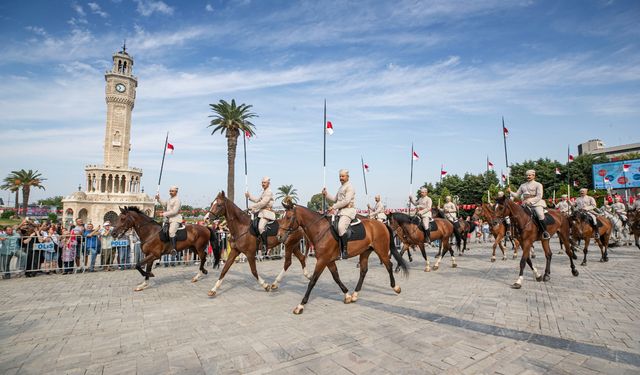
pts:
[498, 229]
[634, 226]
[581, 230]
[528, 232]
[242, 241]
[461, 230]
[378, 237]
[410, 234]
[198, 238]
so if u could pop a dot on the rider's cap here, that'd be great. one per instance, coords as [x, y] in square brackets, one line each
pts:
[174, 187]
[266, 179]
[423, 189]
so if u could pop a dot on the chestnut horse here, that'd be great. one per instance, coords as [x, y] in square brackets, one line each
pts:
[198, 238]
[410, 234]
[378, 238]
[581, 230]
[461, 229]
[528, 232]
[498, 230]
[244, 242]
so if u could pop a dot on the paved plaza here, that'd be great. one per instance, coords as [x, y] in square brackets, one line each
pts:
[456, 320]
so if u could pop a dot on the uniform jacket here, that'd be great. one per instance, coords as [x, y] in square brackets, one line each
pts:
[172, 209]
[586, 203]
[531, 194]
[378, 211]
[263, 205]
[423, 204]
[345, 200]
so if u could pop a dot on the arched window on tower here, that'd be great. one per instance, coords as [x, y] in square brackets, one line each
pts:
[116, 184]
[123, 184]
[124, 68]
[103, 183]
[119, 66]
[110, 184]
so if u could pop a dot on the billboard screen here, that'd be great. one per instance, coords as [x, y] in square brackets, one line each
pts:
[613, 175]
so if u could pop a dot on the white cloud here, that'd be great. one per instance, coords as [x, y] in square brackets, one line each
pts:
[148, 7]
[96, 9]
[78, 9]
[208, 8]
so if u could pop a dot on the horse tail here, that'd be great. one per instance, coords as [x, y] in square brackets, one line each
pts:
[215, 248]
[395, 254]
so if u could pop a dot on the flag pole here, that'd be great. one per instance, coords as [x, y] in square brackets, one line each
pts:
[568, 172]
[506, 158]
[246, 178]
[164, 153]
[364, 176]
[324, 156]
[488, 184]
[410, 182]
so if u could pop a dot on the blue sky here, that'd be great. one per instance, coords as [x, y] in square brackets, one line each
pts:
[436, 73]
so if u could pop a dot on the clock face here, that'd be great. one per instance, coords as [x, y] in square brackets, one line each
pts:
[120, 87]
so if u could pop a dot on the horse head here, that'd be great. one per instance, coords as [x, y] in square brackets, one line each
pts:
[218, 205]
[126, 220]
[502, 209]
[289, 222]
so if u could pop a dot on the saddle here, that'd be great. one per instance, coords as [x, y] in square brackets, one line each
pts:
[355, 231]
[271, 228]
[548, 219]
[417, 220]
[181, 233]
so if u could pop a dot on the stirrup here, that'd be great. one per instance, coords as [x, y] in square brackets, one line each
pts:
[545, 235]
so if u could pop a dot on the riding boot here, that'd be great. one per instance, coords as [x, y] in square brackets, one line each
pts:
[508, 229]
[343, 246]
[265, 240]
[543, 227]
[174, 245]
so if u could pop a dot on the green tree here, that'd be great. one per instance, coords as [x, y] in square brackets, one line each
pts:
[629, 156]
[285, 191]
[52, 201]
[12, 183]
[28, 179]
[231, 120]
[315, 203]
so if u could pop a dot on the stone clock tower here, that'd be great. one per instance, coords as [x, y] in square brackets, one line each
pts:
[113, 183]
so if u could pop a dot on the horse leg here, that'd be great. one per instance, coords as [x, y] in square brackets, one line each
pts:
[336, 277]
[201, 270]
[364, 267]
[287, 264]
[148, 261]
[523, 261]
[604, 246]
[303, 261]
[439, 256]
[453, 258]
[384, 258]
[534, 269]
[254, 271]
[230, 260]
[514, 245]
[587, 241]
[495, 244]
[320, 265]
[427, 268]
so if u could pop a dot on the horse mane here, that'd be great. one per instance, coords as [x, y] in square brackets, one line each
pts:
[401, 218]
[137, 210]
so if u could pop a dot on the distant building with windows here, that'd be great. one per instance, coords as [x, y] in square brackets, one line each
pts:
[597, 147]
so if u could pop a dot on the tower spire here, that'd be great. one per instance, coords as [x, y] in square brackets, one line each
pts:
[124, 46]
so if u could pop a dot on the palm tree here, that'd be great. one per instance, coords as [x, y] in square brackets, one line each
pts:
[231, 119]
[12, 183]
[27, 180]
[287, 191]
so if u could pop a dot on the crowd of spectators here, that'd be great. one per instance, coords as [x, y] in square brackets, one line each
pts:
[32, 248]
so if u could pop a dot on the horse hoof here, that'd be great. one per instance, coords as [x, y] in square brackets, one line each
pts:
[606, 259]
[585, 263]
[397, 269]
[267, 288]
[347, 299]
[516, 286]
[274, 287]
[539, 278]
[141, 287]
[397, 289]
[504, 258]
[427, 269]
[435, 268]
[151, 274]
[298, 310]
[575, 272]
[194, 280]
[454, 265]
[514, 257]
[533, 256]
[354, 297]
[212, 293]
[493, 259]
[546, 278]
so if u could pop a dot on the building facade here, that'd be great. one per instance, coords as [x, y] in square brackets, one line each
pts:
[112, 184]
[597, 147]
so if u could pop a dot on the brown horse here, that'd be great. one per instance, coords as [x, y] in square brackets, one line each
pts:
[378, 238]
[242, 241]
[528, 233]
[581, 230]
[461, 230]
[498, 229]
[198, 238]
[634, 225]
[410, 234]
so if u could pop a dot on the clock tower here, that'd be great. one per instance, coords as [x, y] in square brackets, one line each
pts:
[113, 184]
[120, 93]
